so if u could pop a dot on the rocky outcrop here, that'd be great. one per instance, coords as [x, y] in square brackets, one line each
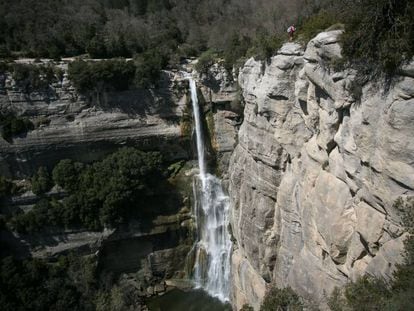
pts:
[319, 162]
[86, 127]
[224, 109]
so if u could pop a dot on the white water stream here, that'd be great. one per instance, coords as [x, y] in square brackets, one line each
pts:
[213, 249]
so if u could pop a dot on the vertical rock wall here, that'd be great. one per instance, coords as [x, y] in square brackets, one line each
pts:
[315, 173]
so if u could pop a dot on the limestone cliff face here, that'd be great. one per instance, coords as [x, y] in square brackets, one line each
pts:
[85, 127]
[315, 173]
[223, 111]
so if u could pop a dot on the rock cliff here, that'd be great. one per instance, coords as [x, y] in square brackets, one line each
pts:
[319, 162]
[85, 127]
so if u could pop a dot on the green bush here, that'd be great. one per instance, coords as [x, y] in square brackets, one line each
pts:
[4, 67]
[235, 49]
[13, 126]
[5, 187]
[148, 68]
[281, 299]
[316, 24]
[34, 284]
[379, 35]
[265, 46]
[45, 214]
[33, 77]
[66, 174]
[246, 307]
[114, 74]
[367, 294]
[205, 61]
[104, 194]
[41, 181]
[96, 47]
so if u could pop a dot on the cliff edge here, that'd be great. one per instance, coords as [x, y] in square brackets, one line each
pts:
[319, 162]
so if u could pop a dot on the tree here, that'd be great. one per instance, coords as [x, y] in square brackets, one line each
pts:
[41, 181]
[148, 68]
[5, 187]
[281, 299]
[66, 174]
[379, 37]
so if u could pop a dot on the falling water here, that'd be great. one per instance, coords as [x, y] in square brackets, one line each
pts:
[213, 249]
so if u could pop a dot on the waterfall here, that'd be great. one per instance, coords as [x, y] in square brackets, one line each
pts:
[211, 210]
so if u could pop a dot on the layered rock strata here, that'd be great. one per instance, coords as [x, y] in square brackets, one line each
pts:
[319, 162]
[85, 127]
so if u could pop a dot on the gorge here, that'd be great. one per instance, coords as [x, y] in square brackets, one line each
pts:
[310, 164]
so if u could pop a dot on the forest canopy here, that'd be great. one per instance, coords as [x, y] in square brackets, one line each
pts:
[379, 35]
[122, 28]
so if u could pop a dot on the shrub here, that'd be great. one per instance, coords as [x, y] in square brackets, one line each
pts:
[35, 284]
[13, 126]
[115, 74]
[103, 194]
[41, 181]
[281, 299]
[96, 47]
[366, 294]
[148, 68]
[246, 307]
[316, 24]
[4, 66]
[403, 285]
[45, 214]
[265, 46]
[66, 174]
[205, 61]
[235, 49]
[5, 187]
[379, 35]
[33, 77]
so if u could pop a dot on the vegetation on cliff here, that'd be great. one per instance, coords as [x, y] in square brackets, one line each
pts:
[105, 28]
[369, 293]
[378, 34]
[12, 125]
[100, 195]
[69, 283]
[115, 74]
[281, 299]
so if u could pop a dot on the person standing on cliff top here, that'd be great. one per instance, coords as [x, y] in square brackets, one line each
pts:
[291, 31]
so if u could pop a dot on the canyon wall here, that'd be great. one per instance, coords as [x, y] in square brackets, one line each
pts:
[319, 162]
[86, 127]
[147, 251]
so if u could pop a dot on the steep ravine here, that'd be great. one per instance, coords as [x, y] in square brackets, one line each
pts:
[146, 253]
[315, 173]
